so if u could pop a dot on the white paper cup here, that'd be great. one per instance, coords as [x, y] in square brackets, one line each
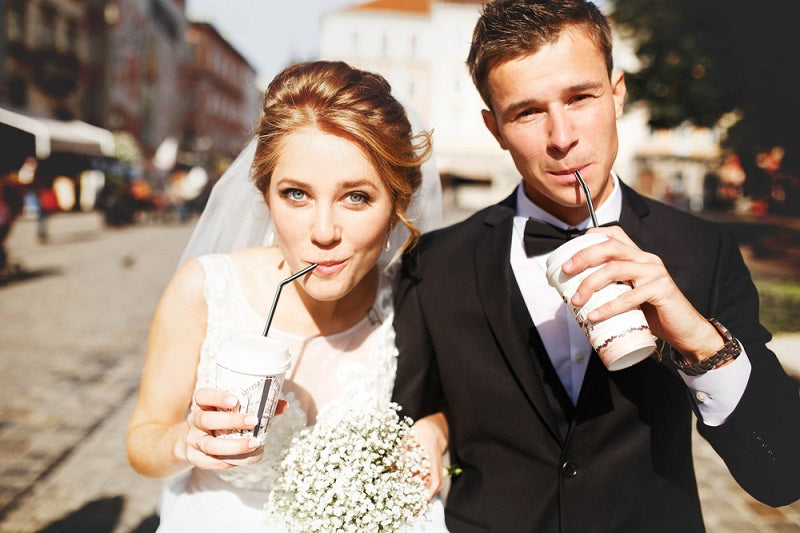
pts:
[245, 361]
[620, 341]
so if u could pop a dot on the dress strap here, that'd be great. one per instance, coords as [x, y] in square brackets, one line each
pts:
[218, 269]
[215, 290]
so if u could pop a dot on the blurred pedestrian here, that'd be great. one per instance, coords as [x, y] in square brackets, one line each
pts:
[48, 204]
[722, 187]
[11, 203]
[773, 186]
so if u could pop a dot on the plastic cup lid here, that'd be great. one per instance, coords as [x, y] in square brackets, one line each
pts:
[250, 353]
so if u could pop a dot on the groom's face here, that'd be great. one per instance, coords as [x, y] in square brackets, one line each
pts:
[555, 111]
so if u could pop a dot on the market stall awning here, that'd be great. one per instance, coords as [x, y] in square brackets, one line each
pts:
[59, 136]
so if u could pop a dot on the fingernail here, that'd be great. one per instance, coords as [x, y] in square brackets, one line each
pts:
[567, 265]
[231, 400]
[251, 420]
[253, 443]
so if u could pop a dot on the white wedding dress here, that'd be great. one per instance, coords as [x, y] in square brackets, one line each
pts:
[354, 367]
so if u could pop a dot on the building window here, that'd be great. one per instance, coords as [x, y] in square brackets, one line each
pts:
[164, 19]
[15, 21]
[72, 36]
[47, 27]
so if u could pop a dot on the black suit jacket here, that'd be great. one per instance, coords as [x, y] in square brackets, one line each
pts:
[620, 459]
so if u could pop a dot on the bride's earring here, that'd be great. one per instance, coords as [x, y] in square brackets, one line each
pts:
[270, 238]
[388, 246]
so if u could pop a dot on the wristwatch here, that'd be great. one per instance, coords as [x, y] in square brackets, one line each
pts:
[729, 351]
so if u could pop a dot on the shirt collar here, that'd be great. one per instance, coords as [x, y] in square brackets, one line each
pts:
[608, 211]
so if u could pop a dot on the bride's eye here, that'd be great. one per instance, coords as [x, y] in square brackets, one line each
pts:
[358, 198]
[294, 194]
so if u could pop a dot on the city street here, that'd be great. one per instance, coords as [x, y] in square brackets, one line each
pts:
[72, 342]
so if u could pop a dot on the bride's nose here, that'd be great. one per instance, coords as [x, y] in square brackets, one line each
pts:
[325, 230]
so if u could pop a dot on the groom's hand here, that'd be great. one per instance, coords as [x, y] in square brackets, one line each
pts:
[432, 434]
[669, 313]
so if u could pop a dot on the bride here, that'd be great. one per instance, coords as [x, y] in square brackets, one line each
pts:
[334, 177]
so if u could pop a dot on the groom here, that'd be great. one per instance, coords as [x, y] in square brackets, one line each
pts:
[547, 438]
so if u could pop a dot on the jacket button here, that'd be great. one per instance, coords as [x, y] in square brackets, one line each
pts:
[569, 470]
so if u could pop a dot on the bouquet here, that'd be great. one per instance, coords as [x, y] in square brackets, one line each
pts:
[354, 470]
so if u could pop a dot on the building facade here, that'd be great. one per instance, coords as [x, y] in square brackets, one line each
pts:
[221, 102]
[175, 94]
[140, 58]
[45, 57]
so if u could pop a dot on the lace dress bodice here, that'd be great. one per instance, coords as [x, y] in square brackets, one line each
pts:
[354, 367]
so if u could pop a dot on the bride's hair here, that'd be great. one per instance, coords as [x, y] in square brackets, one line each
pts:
[351, 103]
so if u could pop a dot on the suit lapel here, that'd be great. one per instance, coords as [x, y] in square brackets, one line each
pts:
[630, 219]
[496, 287]
[595, 396]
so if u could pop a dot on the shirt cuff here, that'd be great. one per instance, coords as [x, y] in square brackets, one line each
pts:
[718, 391]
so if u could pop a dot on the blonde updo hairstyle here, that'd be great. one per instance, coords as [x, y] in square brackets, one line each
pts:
[350, 103]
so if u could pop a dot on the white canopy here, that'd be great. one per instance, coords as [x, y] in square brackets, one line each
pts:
[67, 136]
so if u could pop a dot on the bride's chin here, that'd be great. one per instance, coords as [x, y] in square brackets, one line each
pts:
[324, 292]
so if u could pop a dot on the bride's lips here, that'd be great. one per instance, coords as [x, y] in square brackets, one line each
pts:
[327, 268]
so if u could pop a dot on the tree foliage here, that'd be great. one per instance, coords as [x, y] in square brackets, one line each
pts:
[703, 59]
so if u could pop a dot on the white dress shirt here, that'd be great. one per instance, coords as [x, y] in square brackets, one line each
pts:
[716, 393]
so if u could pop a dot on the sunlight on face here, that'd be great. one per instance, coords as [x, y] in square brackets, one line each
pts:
[555, 111]
[330, 207]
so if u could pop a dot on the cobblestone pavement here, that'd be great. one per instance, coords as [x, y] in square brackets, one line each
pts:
[72, 343]
[71, 351]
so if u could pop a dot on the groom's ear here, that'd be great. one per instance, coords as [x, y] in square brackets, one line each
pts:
[491, 124]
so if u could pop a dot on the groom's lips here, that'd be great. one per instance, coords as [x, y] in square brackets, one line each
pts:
[567, 176]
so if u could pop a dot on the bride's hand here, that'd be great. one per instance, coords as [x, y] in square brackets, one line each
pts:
[215, 410]
[432, 434]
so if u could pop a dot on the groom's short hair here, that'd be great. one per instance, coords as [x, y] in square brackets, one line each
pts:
[508, 29]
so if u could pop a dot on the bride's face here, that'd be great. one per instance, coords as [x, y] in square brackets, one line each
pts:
[330, 207]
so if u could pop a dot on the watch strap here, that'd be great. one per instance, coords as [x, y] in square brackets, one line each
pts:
[729, 351]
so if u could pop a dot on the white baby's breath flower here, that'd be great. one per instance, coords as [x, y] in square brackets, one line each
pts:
[354, 470]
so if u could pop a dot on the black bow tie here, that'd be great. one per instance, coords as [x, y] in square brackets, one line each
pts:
[541, 237]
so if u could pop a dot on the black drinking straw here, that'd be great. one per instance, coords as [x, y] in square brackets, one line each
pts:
[278, 293]
[265, 392]
[588, 198]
